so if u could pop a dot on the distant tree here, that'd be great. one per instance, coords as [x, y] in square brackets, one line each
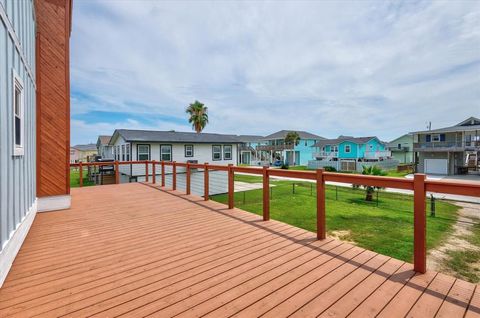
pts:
[198, 113]
[292, 138]
[371, 171]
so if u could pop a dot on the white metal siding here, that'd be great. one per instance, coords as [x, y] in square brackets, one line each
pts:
[17, 174]
[436, 166]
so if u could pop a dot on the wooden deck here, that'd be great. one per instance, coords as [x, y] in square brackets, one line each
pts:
[135, 251]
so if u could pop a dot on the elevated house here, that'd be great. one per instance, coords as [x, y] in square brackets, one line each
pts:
[349, 153]
[103, 147]
[450, 150]
[402, 148]
[275, 149]
[34, 117]
[247, 150]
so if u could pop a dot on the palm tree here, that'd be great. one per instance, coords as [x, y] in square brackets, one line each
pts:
[371, 171]
[292, 138]
[198, 116]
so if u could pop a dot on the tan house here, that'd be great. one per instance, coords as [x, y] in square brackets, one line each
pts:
[83, 153]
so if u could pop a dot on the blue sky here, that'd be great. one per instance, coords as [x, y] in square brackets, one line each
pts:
[354, 68]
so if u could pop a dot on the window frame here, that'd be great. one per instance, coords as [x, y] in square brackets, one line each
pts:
[219, 152]
[224, 152]
[123, 152]
[17, 83]
[127, 152]
[138, 152]
[185, 150]
[435, 138]
[171, 152]
[349, 149]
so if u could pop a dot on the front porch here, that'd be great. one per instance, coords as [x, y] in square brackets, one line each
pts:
[138, 249]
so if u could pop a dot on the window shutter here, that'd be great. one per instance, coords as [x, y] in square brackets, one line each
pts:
[428, 138]
[442, 137]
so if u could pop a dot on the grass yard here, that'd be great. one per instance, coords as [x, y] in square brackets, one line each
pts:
[75, 178]
[386, 228]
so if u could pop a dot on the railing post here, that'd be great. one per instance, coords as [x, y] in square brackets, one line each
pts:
[321, 228]
[266, 194]
[230, 186]
[206, 191]
[117, 173]
[163, 173]
[146, 171]
[80, 174]
[419, 224]
[174, 176]
[154, 173]
[187, 186]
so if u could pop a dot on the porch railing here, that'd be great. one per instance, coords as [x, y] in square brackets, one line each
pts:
[419, 185]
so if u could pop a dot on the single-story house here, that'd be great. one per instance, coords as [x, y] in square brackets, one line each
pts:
[103, 147]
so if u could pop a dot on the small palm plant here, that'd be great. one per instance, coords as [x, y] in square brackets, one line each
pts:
[198, 116]
[292, 138]
[371, 171]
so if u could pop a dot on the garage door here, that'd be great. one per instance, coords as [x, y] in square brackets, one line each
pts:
[436, 166]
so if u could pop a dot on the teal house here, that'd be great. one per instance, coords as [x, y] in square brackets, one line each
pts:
[274, 149]
[349, 153]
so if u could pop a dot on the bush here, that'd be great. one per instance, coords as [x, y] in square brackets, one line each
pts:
[284, 166]
[330, 169]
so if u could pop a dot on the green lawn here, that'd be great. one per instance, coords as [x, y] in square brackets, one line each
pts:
[465, 262]
[75, 178]
[386, 228]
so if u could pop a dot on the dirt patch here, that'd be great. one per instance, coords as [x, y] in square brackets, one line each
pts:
[343, 235]
[440, 257]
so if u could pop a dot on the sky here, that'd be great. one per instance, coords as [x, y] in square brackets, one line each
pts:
[362, 68]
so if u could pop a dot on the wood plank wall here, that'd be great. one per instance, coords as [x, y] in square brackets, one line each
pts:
[53, 96]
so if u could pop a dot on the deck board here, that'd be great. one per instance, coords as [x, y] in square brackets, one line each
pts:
[135, 250]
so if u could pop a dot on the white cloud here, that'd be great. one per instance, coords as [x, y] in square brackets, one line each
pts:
[363, 68]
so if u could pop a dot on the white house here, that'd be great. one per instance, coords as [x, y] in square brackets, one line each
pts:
[103, 147]
[139, 145]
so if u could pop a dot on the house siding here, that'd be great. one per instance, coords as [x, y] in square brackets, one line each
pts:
[353, 154]
[304, 151]
[17, 173]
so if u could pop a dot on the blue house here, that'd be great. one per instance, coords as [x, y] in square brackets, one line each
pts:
[275, 149]
[347, 151]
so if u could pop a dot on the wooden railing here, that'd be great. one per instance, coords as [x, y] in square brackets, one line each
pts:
[419, 185]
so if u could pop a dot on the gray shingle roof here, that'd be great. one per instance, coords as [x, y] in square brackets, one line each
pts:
[104, 140]
[336, 141]
[88, 147]
[174, 136]
[249, 138]
[463, 126]
[283, 133]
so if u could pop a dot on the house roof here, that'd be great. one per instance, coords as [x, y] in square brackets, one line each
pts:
[340, 139]
[249, 138]
[87, 147]
[173, 136]
[104, 140]
[472, 123]
[404, 135]
[283, 133]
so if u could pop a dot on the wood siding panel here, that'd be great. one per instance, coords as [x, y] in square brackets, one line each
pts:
[53, 97]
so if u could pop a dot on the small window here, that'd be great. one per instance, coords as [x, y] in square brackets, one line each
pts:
[127, 152]
[143, 152]
[18, 112]
[123, 152]
[306, 144]
[216, 153]
[435, 137]
[227, 152]
[118, 153]
[347, 149]
[188, 150]
[166, 152]
[399, 146]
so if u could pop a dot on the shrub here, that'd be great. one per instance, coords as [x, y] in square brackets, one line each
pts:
[330, 169]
